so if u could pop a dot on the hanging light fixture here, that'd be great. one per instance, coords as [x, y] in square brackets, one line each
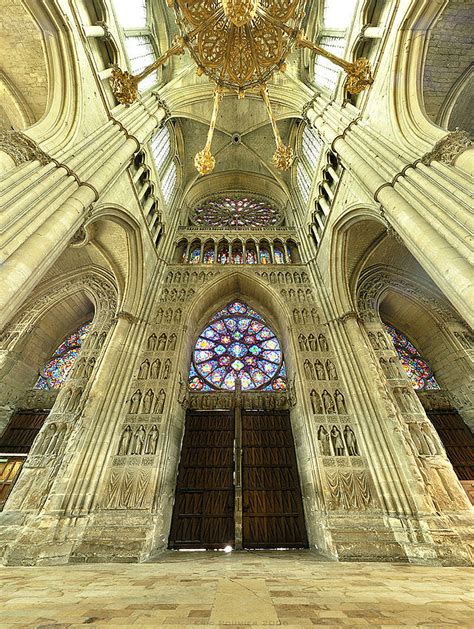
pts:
[239, 45]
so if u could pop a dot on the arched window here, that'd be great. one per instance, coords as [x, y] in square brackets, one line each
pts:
[161, 147]
[335, 24]
[168, 183]
[311, 145]
[237, 344]
[132, 17]
[195, 252]
[415, 366]
[303, 181]
[237, 252]
[209, 256]
[278, 253]
[236, 211]
[250, 252]
[56, 370]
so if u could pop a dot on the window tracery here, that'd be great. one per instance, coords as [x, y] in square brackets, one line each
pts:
[303, 181]
[236, 211]
[161, 147]
[54, 373]
[168, 183]
[416, 368]
[237, 344]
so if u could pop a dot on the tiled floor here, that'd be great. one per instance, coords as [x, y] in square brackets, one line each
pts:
[293, 589]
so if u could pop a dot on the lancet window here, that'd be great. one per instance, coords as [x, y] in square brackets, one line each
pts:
[168, 183]
[416, 367]
[161, 147]
[237, 345]
[236, 211]
[303, 181]
[132, 17]
[237, 252]
[335, 24]
[54, 373]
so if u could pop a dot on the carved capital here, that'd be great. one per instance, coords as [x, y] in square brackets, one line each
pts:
[448, 149]
[21, 148]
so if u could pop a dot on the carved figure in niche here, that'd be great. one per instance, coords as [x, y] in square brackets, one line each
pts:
[280, 276]
[323, 344]
[177, 316]
[316, 403]
[160, 401]
[284, 294]
[144, 370]
[162, 342]
[308, 370]
[135, 402]
[340, 402]
[177, 277]
[209, 275]
[297, 278]
[164, 295]
[194, 276]
[300, 294]
[65, 399]
[318, 366]
[315, 316]
[191, 292]
[410, 402]
[323, 439]
[328, 403]
[313, 346]
[151, 343]
[265, 276]
[309, 295]
[337, 441]
[303, 343]
[186, 277]
[383, 364]
[296, 316]
[151, 440]
[331, 369]
[155, 369]
[416, 436]
[305, 315]
[382, 340]
[288, 277]
[169, 278]
[101, 340]
[89, 368]
[173, 295]
[430, 444]
[75, 398]
[49, 433]
[172, 342]
[304, 277]
[182, 295]
[373, 340]
[125, 439]
[92, 339]
[159, 316]
[79, 369]
[138, 440]
[273, 278]
[147, 401]
[202, 276]
[167, 369]
[393, 367]
[399, 399]
[351, 441]
[168, 315]
[53, 441]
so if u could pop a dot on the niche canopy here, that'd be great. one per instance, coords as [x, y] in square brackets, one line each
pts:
[239, 45]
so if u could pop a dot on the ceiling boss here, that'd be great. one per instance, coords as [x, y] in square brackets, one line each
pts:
[239, 45]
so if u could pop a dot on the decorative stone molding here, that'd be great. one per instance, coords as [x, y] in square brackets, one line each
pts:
[21, 148]
[448, 149]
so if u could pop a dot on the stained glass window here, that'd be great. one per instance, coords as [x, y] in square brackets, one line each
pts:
[415, 366]
[304, 181]
[311, 145]
[141, 54]
[250, 254]
[237, 253]
[223, 253]
[326, 73]
[265, 257]
[161, 147]
[236, 211]
[195, 255]
[209, 254]
[279, 255]
[237, 344]
[168, 183]
[55, 372]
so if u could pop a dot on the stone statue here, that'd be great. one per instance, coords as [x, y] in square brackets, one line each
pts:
[337, 442]
[308, 370]
[155, 369]
[151, 343]
[331, 369]
[323, 439]
[303, 343]
[162, 342]
[340, 402]
[147, 401]
[139, 440]
[320, 374]
[312, 343]
[152, 440]
[166, 370]
[351, 441]
[323, 344]
[144, 369]
[316, 403]
[160, 401]
[328, 403]
[172, 342]
[135, 402]
[125, 441]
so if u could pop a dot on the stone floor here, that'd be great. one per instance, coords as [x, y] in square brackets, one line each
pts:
[293, 589]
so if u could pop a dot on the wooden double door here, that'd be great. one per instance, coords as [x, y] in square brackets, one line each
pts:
[238, 483]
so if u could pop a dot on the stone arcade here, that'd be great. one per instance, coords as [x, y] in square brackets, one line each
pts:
[252, 358]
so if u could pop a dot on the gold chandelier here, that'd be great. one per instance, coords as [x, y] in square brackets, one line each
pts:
[239, 45]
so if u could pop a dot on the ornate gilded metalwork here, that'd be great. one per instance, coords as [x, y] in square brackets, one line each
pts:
[239, 45]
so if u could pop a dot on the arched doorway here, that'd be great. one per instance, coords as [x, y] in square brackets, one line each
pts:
[238, 482]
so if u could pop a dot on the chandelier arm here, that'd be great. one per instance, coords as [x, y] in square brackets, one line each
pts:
[204, 160]
[176, 49]
[254, 54]
[283, 156]
[359, 73]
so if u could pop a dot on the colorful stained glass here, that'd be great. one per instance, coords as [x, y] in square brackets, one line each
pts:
[237, 253]
[237, 344]
[265, 256]
[209, 255]
[56, 370]
[250, 256]
[223, 253]
[415, 366]
[236, 211]
[279, 255]
[195, 255]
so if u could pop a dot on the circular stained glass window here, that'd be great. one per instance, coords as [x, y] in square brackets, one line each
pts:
[237, 345]
[232, 211]
[414, 365]
[56, 370]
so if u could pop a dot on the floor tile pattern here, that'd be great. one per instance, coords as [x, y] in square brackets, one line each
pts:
[290, 589]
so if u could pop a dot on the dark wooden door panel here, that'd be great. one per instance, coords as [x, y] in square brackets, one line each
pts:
[272, 503]
[21, 432]
[203, 515]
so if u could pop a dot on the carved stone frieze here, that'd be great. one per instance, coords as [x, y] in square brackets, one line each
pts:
[21, 148]
[448, 149]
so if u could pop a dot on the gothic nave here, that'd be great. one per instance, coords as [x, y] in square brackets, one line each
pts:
[236, 312]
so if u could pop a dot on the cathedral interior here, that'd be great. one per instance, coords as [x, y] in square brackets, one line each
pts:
[236, 313]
